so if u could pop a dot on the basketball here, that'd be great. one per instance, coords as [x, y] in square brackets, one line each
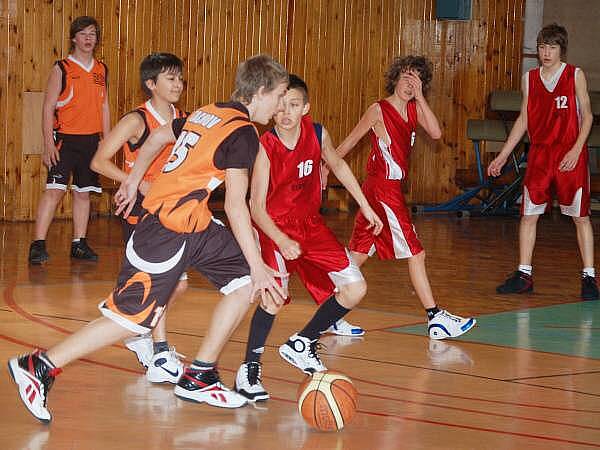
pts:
[327, 400]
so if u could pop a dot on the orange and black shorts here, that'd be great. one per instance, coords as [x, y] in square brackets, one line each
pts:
[75, 153]
[155, 259]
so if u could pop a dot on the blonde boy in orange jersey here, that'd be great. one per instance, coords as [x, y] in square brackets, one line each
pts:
[74, 114]
[216, 143]
[162, 81]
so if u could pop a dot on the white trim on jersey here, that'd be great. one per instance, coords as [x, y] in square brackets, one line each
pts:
[401, 247]
[394, 170]
[61, 103]
[350, 274]
[574, 209]
[80, 64]
[530, 208]
[553, 81]
[157, 115]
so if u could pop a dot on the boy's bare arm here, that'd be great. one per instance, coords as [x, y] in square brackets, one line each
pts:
[263, 281]
[129, 127]
[515, 135]
[570, 159]
[342, 171]
[289, 248]
[50, 154]
[365, 123]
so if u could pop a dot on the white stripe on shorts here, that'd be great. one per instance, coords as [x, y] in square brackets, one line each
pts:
[401, 248]
[127, 324]
[235, 284]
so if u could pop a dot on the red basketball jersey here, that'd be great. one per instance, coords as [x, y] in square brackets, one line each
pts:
[552, 116]
[391, 162]
[295, 175]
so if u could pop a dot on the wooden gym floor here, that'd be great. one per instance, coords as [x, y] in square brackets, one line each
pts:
[528, 377]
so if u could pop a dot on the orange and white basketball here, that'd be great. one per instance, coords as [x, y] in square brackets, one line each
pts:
[327, 400]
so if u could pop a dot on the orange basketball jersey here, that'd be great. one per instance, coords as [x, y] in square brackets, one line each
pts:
[179, 196]
[152, 120]
[79, 105]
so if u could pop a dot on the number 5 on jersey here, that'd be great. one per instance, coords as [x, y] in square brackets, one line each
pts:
[305, 168]
[187, 139]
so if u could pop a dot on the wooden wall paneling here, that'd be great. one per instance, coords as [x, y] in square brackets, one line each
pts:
[4, 55]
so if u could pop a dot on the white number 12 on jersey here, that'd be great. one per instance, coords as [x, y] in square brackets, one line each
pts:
[561, 102]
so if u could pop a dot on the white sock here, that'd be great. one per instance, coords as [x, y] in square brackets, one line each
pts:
[589, 271]
[77, 240]
[526, 269]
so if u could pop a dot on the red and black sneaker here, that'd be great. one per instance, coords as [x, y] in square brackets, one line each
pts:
[204, 386]
[518, 283]
[34, 375]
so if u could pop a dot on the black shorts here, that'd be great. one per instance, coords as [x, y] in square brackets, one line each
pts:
[76, 153]
[135, 216]
[155, 259]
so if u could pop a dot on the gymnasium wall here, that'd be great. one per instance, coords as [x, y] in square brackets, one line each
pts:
[341, 47]
[583, 34]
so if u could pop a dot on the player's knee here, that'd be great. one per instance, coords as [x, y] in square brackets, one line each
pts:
[181, 287]
[530, 220]
[54, 195]
[419, 256]
[272, 308]
[351, 294]
[581, 220]
[81, 196]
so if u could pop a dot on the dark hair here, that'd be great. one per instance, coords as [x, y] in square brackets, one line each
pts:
[298, 83]
[81, 23]
[400, 65]
[254, 73]
[554, 34]
[155, 64]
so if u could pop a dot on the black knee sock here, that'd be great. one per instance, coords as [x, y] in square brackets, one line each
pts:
[328, 314]
[260, 327]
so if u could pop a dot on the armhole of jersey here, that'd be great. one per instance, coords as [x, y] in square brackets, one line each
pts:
[144, 135]
[63, 71]
[319, 132]
[105, 74]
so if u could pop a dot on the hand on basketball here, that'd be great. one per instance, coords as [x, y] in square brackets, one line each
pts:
[125, 198]
[495, 167]
[144, 187]
[50, 155]
[289, 248]
[373, 219]
[324, 175]
[265, 285]
[569, 161]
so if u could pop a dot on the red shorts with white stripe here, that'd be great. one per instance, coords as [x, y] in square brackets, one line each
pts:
[398, 238]
[543, 177]
[324, 264]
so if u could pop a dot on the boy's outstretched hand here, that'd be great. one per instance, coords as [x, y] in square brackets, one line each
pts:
[373, 219]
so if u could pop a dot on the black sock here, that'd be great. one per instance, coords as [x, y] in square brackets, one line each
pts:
[202, 365]
[162, 346]
[260, 327]
[328, 314]
[432, 312]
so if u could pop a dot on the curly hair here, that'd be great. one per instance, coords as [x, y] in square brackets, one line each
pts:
[400, 65]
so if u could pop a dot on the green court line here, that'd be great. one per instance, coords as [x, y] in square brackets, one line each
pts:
[569, 329]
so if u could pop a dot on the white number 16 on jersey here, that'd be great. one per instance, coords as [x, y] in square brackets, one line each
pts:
[305, 168]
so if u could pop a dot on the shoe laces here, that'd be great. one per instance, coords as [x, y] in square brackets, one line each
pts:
[451, 316]
[314, 348]
[253, 372]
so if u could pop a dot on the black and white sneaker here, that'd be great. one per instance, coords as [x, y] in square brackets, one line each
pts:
[204, 386]
[303, 353]
[165, 367]
[248, 382]
[81, 250]
[34, 376]
[38, 253]
[589, 288]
